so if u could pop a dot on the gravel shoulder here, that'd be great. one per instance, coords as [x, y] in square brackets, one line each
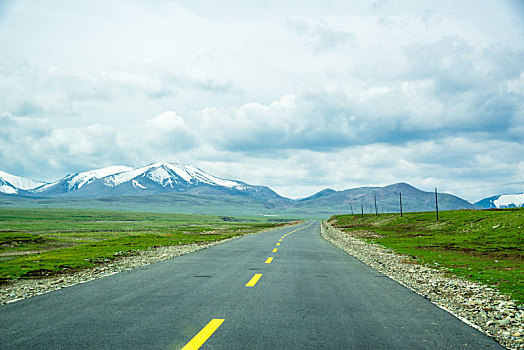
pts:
[478, 305]
[26, 288]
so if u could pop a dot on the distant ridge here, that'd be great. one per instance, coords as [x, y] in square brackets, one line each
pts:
[170, 187]
[387, 199]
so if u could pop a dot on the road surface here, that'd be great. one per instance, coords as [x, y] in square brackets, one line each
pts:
[310, 295]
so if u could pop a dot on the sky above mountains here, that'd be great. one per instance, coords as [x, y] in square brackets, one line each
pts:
[294, 95]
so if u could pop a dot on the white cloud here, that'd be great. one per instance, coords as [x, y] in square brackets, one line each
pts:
[295, 95]
[320, 36]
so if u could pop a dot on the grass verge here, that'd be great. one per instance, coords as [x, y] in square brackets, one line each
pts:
[42, 242]
[482, 245]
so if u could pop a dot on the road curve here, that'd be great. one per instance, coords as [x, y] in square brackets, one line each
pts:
[310, 295]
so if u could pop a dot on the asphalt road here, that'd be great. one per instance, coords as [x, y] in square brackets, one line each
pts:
[310, 296]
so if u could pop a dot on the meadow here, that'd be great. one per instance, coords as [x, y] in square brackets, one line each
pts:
[482, 245]
[41, 242]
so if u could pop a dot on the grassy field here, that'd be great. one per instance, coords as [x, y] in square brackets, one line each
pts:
[39, 242]
[198, 204]
[483, 245]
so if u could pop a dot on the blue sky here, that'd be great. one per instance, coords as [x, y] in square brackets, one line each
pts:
[295, 95]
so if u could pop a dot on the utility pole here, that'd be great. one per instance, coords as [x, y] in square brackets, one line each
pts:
[362, 209]
[351, 205]
[436, 202]
[401, 204]
[376, 209]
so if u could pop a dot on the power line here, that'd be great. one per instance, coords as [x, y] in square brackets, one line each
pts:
[473, 188]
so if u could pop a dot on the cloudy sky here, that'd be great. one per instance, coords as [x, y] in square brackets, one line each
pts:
[295, 95]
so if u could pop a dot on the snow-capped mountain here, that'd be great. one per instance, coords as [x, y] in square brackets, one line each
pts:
[502, 201]
[169, 175]
[76, 181]
[12, 184]
[157, 178]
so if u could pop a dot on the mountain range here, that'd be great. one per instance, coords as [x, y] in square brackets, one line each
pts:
[117, 181]
[171, 187]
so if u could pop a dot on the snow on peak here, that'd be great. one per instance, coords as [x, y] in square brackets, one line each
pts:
[506, 200]
[177, 169]
[120, 178]
[210, 179]
[7, 189]
[19, 182]
[167, 175]
[163, 175]
[137, 184]
[170, 174]
[86, 177]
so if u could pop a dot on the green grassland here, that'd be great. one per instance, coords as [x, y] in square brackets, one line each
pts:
[483, 245]
[199, 204]
[39, 242]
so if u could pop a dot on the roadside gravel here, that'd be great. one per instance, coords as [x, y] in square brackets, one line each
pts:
[478, 305]
[26, 288]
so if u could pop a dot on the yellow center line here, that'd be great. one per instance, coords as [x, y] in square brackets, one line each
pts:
[275, 250]
[278, 244]
[199, 339]
[280, 240]
[269, 260]
[254, 280]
